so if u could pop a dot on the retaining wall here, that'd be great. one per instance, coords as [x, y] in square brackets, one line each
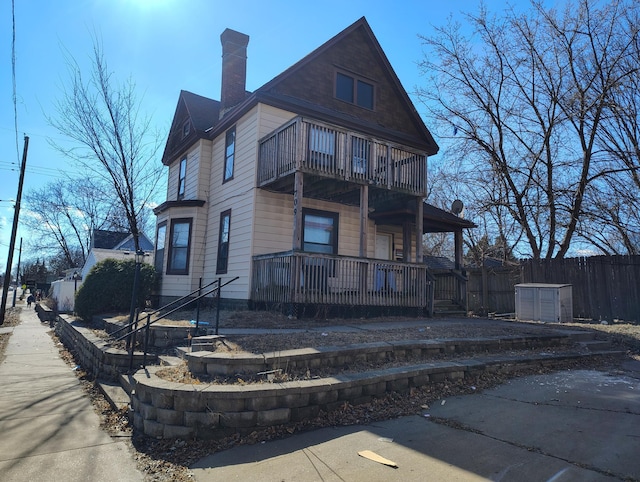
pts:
[95, 355]
[167, 409]
[214, 363]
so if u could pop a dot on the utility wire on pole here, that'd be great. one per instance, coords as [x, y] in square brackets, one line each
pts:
[14, 231]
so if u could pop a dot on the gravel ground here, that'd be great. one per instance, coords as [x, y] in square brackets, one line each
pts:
[168, 460]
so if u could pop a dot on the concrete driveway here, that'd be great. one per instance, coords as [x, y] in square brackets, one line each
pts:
[568, 426]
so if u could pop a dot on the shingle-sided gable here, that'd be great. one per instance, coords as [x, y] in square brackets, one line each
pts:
[193, 118]
[356, 52]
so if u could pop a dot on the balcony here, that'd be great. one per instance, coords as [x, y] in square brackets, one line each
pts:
[337, 161]
[310, 278]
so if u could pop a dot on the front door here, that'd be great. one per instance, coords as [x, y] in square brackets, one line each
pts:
[383, 246]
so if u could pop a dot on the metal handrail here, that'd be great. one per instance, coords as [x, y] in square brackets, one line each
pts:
[148, 324]
[129, 325]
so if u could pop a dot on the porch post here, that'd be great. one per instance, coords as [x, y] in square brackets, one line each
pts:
[298, 188]
[406, 242]
[419, 228]
[297, 210]
[364, 213]
[458, 249]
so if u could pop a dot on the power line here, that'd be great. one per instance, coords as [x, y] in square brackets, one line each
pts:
[13, 75]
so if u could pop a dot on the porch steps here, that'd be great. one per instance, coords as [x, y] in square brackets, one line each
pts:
[444, 308]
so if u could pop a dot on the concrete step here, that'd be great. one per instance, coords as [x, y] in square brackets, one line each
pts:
[169, 361]
[115, 394]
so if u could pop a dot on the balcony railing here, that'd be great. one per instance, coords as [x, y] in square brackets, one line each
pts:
[329, 151]
[309, 278]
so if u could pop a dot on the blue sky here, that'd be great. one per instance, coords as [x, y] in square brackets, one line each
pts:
[169, 45]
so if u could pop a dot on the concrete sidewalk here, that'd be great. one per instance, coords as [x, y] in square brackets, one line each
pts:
[48, 427]
[566, 426]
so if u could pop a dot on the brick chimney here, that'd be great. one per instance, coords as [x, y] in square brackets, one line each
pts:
[234, 69]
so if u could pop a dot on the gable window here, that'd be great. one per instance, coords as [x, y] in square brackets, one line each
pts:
[161, 235]
[186, 128]
[320, 231]
[355, 91]
[179, 247]
[223, 242]
[229, 153]
[182, 178]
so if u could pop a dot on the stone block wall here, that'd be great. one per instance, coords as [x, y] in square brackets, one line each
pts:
[167, 409]
[93, 353]
[225, 364]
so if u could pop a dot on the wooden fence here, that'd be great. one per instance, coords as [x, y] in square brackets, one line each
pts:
[603, 287]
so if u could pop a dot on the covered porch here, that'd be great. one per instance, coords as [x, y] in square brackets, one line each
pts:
[386, 181]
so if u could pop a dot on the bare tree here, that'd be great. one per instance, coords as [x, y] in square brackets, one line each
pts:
[110, 138]
[524, 96]
[64, 213]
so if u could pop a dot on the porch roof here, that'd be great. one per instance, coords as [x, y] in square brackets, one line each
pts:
[435, 220]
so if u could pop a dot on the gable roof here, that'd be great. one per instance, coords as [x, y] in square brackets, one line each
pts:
[204, 113]
[269, 91]
[201, 112]
[118, 240]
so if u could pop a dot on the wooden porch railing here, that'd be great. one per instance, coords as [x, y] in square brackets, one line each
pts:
[329, 151]
[297, 277]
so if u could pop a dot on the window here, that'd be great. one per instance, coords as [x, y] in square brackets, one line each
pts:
[355, 91]
[360, 154]
[161, 235]
[223, 242]
[229, 154]
[179, 244]
[322, 146]
[320, 231]
[186, 128]
[182, 178]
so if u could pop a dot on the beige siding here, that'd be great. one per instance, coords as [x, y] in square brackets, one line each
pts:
[180, 285]
[236, 194]
[274, 224]
[192, 177]
[204, 170]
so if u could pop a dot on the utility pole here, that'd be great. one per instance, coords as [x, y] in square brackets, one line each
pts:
[14, 230]
[13, 304]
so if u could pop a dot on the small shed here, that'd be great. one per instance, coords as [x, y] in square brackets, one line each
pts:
[544, 302]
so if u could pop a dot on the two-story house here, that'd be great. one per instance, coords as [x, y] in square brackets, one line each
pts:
[310, 189]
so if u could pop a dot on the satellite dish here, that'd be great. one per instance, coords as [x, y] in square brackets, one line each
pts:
[457, 207]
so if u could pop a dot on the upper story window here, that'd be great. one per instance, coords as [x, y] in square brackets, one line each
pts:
[322, 146]
[360, 149]
[182, 178]
[179, 247]
[229, 153]
[354, 90]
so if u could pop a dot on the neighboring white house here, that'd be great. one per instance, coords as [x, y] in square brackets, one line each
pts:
[104, 245]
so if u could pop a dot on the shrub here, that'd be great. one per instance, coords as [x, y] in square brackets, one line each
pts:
[108, 287]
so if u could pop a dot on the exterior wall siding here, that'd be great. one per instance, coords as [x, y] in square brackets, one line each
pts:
[236, 194]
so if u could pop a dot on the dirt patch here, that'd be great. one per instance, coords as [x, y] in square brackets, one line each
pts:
[11, 318]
